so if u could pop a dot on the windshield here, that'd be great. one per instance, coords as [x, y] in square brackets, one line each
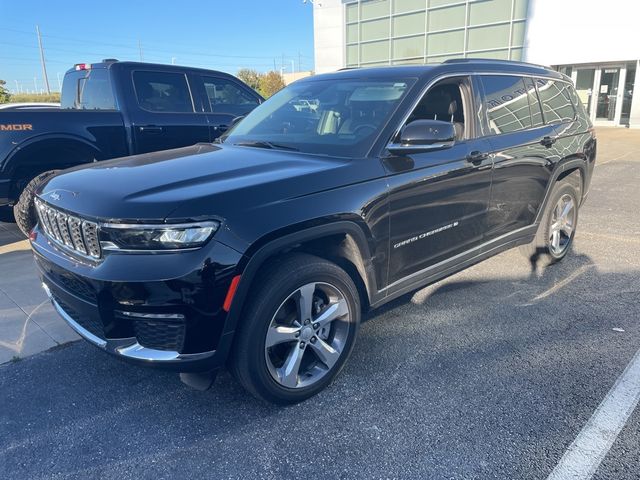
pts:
[330, 117]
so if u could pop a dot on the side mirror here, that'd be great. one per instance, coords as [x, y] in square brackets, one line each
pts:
[424, 135]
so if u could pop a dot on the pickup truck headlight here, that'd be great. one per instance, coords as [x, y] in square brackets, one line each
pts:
[120, 237]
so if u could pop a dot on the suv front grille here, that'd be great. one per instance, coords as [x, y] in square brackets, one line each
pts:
[73, 232]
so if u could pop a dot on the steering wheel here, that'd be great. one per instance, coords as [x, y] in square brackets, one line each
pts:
[365, 126]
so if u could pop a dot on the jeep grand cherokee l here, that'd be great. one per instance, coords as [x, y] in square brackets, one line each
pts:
[261, 252]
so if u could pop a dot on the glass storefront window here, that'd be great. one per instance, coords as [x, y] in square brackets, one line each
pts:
[374, 30]
[352, 12]
[438, 3]
[627, 95]
[517, 36]
[408, 24]
[446, 42]
[520, 9]
[352, 33]
[373, 9]
[498, 54]
[408, 47]
[484, 38]
[374, 51]
[352, 55]
[445, 18]
[489, 12]
[401, 6]
[584, 86]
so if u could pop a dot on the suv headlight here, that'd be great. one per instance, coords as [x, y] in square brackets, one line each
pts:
[119, 237]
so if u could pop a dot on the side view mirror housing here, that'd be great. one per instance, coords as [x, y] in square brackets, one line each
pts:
[424, 135]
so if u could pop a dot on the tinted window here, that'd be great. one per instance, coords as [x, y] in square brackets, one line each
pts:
[534, 103]
[556, 101]
[162, 91]
[227, 97]
[88, 90]
[506, 103]
[322, 116]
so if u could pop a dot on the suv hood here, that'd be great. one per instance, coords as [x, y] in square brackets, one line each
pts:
[205, 179]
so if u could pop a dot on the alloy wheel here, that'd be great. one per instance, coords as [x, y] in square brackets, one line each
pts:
[563, 220]
[307, 335]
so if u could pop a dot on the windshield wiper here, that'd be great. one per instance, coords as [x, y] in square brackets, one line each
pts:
[264, 144]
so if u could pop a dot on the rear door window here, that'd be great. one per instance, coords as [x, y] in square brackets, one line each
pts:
[556, 101]
[226, 96]
[163, 92]
[507, 104]
[534, 103]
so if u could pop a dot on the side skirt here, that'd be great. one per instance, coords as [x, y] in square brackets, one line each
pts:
[455, 264]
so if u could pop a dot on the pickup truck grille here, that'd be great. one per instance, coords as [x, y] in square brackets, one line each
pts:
[74, 233]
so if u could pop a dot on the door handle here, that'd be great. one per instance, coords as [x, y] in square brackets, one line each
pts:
[477, 157]
[221, 128]
[547, 141]
[150, 129]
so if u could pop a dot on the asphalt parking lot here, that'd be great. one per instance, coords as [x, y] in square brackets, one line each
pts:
[492, 373]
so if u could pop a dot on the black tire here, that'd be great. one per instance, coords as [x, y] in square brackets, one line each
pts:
[272, 289]
[24, 210]
[541, 252]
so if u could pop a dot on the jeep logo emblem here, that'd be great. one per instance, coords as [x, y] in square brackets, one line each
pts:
[16, 127]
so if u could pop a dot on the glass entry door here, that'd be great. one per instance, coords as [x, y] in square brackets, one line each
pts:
[608, 94]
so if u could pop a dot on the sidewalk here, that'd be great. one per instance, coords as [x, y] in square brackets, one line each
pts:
[28, 322]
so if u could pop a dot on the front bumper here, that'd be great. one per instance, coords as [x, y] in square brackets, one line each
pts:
[155, 310]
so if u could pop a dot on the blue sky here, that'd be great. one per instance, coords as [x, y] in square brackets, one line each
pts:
[218, 34]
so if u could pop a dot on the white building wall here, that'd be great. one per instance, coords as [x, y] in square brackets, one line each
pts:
[328, 35]
[565, 32]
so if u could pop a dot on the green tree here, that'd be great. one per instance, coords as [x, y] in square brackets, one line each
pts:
[270, 83]
[250, 77]
[5, 96]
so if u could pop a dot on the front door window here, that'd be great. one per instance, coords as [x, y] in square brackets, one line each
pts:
[606, 109]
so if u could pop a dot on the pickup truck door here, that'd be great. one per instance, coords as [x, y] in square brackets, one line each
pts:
[224, 100]
[438, 199]
[165, 113]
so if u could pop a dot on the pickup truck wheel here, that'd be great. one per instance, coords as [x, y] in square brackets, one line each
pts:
[24, 210]
[298, 329]
[557, 228]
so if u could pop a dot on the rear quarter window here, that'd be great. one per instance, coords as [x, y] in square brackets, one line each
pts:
[88, 90]
[557, 106]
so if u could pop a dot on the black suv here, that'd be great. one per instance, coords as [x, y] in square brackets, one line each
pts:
[262, 251]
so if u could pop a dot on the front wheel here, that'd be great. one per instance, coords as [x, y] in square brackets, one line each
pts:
[557, 228]
[298, 329]
[24, 210]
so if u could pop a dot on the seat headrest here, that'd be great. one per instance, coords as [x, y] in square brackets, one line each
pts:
[453, 107]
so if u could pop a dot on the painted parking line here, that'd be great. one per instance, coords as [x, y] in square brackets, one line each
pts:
[582, 458]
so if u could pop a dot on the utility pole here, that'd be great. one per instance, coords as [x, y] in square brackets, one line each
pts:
[59, 82]
[44, 67]
[293, 66]
[299, 68]
[140, 49]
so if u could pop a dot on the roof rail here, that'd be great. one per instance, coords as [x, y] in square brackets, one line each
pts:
[493, 60]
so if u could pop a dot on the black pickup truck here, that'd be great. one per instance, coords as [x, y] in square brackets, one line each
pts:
[114, 109]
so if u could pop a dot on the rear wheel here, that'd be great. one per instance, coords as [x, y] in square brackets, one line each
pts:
[558, 226]
[24, 210]
[298, 329]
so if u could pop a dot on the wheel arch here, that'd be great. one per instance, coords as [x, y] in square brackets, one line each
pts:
[563, 170]
[22, 162]
[343, 242]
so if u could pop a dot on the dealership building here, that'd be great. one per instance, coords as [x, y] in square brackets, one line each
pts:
[598, 47]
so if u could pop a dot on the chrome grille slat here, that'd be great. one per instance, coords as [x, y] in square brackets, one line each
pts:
[74, 233]
[63, 226]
